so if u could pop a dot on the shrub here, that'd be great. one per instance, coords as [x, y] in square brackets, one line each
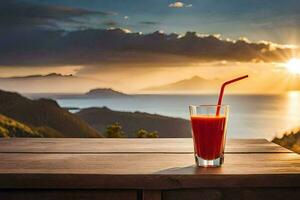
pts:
[114, 131]
[142, 133]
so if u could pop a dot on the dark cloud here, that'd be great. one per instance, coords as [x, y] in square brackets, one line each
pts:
[110, 23]
[90, 47]
[37, 76]
[149, 23]
[27, 40]
[22, 15]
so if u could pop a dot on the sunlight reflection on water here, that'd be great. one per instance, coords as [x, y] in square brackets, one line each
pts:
[293, 102]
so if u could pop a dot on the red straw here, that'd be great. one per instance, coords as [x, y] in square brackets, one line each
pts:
[222, 91]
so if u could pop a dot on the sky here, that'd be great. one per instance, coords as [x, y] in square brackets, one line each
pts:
[255, 19]
[131, 44]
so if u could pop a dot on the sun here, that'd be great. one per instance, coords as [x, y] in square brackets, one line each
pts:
[293, 65]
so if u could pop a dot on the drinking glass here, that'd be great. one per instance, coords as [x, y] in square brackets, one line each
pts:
[209, 133]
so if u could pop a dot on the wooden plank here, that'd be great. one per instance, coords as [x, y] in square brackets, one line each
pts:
[68, 194]
[193, 194]
[161, 145]
[148, 182]
[229, 194]
[152, 195]
[151, 171]
[146, 164]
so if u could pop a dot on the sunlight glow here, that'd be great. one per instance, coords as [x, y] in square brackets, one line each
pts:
[293, 65]
[293, 108]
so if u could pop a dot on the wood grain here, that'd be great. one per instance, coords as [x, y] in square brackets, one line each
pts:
[231, 194]
[68, 194]
[152, 195]
[146, 164]
[141, 165]
[151, 171]
[162, 145]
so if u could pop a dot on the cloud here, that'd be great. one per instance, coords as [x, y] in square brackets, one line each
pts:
[24, 41]
[179, 4]
[149, 23]
[24, 15]
[118, 46]
[37, 76]
[110, 23]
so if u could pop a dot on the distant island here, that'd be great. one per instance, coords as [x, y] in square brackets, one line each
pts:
[105, 92]
[93, 93]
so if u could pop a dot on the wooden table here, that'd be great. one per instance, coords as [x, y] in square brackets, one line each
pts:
[143, 169]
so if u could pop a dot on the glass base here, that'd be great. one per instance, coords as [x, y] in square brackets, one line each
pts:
[209, 163]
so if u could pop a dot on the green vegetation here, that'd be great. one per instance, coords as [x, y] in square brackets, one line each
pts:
[12, 128]
[290, 140]
[145, 134]
[114, 131]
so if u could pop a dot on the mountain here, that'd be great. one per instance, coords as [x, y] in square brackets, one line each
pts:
[45, 115]
[193, 84]
[105, 92]
[254, 85]
[131, 122]
[49, 83]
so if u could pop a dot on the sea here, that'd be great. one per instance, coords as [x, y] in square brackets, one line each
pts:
[250, 116]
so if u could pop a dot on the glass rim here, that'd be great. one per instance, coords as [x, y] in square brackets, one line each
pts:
[209, 105]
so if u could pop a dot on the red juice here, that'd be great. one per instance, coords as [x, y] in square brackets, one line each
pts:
[208, 135]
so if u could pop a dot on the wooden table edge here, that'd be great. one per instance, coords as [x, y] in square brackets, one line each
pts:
[145, 181]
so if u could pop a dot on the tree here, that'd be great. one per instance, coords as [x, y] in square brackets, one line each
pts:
[142, 133]
[153, 134]
[114, 131]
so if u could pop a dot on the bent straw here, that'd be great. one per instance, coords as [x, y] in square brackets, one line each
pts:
[222, 91]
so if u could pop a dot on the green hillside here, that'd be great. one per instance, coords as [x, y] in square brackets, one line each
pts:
[290, 141]
[45, 115]
[12, 128]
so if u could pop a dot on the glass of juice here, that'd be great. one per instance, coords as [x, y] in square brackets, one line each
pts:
[209, 133]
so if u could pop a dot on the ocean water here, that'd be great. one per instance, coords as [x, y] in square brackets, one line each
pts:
[250, 116]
